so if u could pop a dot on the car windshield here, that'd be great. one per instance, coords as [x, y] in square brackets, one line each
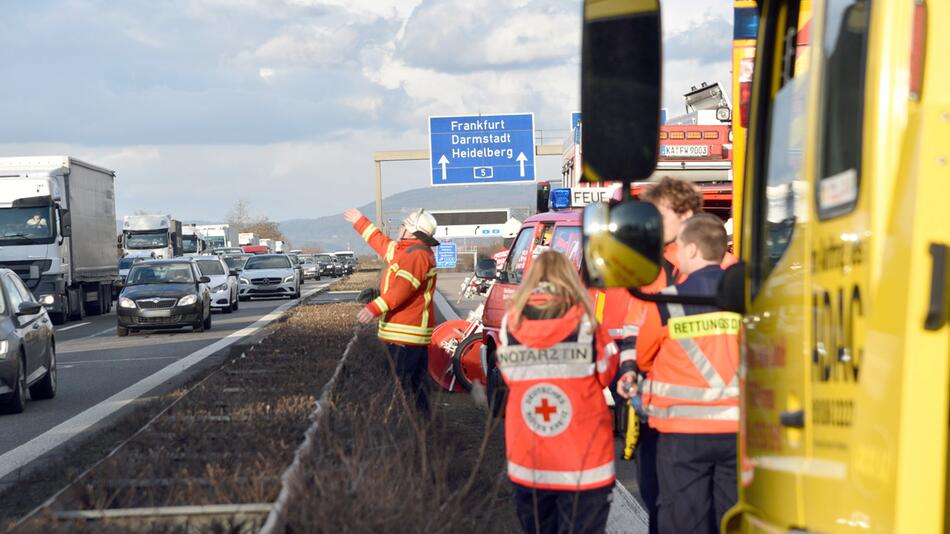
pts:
[267, 262]
[235, 263]
[126, 263]
[163, 273]
[26, 224]
[323, 258]
[210, 268]
[140, 240]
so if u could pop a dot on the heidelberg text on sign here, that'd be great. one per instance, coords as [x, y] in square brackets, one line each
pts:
[481, 149]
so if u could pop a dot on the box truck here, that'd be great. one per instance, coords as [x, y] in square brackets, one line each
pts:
[57, 232]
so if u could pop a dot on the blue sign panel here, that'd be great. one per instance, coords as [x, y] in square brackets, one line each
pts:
[575, 122]
[446, 256]
[481, 149]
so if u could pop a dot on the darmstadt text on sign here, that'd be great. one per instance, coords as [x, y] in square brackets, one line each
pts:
[481, 149]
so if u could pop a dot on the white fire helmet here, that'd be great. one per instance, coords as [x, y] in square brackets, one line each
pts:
[510, 228]
[420, 221]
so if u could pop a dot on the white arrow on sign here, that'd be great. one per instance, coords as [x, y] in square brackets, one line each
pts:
[520, 159]
[443, 161]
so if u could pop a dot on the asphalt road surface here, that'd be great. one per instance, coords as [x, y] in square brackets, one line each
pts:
[101, 374]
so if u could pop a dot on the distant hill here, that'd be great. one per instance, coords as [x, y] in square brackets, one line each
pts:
[333, 233]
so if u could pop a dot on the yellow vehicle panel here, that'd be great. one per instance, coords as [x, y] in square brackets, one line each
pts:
[846, 392]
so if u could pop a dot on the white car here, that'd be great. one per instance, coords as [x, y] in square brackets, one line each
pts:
[269, 275]
[224, 282]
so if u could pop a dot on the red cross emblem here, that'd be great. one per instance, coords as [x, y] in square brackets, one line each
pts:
[545, 410]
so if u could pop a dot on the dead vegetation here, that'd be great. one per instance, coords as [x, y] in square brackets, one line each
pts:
[378, 468]
[226, 442]
[357, 281]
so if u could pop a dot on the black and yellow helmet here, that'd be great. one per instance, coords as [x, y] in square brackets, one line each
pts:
[623, 244]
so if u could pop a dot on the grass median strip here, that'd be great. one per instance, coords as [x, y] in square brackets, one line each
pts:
[213, 448]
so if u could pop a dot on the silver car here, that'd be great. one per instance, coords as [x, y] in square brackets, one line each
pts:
[269, 275]
[27, 351]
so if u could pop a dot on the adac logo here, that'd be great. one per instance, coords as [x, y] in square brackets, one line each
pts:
[546, 409]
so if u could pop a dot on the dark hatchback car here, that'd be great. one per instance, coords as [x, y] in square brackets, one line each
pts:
[27, 349]
[164, 294]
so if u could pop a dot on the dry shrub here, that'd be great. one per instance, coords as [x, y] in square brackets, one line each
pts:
[380, 468]
[227, 441]
[357, 281]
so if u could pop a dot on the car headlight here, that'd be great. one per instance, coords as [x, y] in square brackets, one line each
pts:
[221, 287]
[244, 281]
[4, 348]
[289, 279]
[188, 300]
[47, 300]
[126, 302]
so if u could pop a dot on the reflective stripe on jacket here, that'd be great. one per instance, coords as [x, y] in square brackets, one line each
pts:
[558, 429]
[691, 357]
[407, 285]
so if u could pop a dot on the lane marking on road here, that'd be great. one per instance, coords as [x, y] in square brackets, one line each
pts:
[70, 327]
[102, 333]
[121, 360]
[60, 434]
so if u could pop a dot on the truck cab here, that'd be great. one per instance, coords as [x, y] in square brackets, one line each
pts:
[193, 241]
[151, 236]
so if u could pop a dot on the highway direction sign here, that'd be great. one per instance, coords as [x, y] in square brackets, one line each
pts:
[480, 149]
[446, 256]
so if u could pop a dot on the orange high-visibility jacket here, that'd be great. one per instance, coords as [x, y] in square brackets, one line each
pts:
[691, 356]
[404, 306]
[611, 304]
[636, 308]
[558, 430]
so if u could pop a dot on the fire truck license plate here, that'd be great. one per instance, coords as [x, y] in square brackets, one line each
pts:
[685, 151]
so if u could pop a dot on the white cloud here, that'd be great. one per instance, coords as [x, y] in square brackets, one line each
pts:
[174, 99]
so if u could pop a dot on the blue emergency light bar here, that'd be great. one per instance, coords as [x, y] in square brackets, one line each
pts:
[560, 199]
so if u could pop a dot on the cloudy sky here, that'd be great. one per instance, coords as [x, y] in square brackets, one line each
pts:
[199, 103]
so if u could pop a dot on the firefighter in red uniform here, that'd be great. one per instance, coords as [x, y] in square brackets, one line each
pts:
[404, 306]
[556, 359]
[691, 357]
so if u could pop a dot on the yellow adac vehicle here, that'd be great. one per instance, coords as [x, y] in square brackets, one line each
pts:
[845, 246]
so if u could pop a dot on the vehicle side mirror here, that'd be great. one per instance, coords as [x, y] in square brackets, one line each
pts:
[233, 273]
[486, 268]
[29, 308]
[623, 244]
[620, 89]
[731, 293]
[204, 280]
[65, 223]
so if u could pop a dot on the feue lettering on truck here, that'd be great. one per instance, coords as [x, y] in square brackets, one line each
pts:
[844, 277]
[151, 236]
[57, 232]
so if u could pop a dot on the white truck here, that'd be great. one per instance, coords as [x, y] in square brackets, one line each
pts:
[220, 235]
[193, 240]
[248, 239]
[57, 232]
[151, 236]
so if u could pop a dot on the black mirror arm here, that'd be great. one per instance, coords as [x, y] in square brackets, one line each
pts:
[674, 299]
